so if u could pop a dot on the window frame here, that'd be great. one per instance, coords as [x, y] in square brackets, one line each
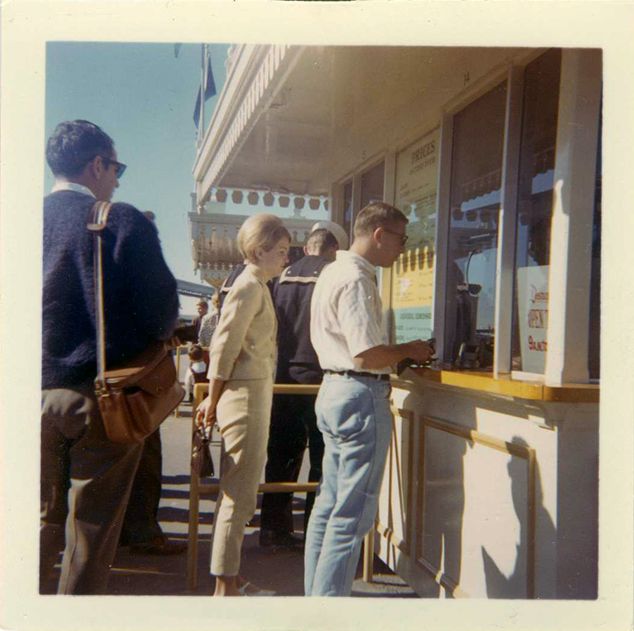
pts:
[564, 364]
[355, 177]
[579, 101]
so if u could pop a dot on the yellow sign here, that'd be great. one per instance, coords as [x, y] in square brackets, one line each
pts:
[413, 273]
[413, 280]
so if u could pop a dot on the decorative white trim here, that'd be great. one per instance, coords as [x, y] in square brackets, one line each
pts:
[298, 279]
[255, 77]
[214, 240]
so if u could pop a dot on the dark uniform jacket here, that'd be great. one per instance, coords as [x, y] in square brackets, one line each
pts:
[292, 294]
[226, 286]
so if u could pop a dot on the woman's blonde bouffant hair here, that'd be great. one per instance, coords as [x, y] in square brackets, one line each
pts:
[260, 231]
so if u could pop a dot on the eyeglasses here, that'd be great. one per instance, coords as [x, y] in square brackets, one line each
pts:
[403, 237]
[119, 166]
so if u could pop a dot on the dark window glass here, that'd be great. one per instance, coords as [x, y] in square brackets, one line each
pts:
[535, 208]
[476, 169]
[372, 185]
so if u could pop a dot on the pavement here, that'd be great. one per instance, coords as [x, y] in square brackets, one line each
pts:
[270, 568]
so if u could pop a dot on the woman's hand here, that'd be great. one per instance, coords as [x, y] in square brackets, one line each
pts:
[206, 414]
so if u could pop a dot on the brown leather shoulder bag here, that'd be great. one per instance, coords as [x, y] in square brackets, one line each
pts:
[134, 399]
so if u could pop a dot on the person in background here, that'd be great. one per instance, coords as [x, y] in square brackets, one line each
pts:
[85, 479]
[209, 323]
[202, 307]
[336, 230]
[353, 405]
[196, 371]
[141, 530]
[293, 420]
[242, 366]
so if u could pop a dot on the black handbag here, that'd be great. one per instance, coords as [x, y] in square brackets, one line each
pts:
[201, 462]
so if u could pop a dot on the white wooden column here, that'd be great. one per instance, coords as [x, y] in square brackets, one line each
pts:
[443, 212]
[573, 209]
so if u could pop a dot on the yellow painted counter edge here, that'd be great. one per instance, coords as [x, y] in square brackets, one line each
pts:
[473, 380]
[486, 382]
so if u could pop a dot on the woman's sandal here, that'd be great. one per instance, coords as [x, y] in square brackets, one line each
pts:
[249, 589]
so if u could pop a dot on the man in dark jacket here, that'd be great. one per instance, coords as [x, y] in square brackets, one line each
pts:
[293, 421]
[85, 478]
[228, 284]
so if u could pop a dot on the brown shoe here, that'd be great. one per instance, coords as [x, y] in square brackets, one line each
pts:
[161, 546]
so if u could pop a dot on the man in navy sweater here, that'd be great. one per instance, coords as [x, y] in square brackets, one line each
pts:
[86, 479]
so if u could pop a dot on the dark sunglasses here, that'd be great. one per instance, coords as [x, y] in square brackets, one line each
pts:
[403, 237]
[119, 166]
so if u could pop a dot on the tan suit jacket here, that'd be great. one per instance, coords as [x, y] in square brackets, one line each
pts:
[244, 343]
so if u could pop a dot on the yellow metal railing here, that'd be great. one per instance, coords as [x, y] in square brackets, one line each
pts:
[197, 489]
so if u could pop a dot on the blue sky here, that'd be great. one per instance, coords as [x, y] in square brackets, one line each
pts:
[144, 98]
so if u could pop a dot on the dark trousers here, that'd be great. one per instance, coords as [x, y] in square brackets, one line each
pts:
[85, 482]
[293, 426]
[140, 524]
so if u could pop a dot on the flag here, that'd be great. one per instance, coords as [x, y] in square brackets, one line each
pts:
[210, 90]
[177, 49]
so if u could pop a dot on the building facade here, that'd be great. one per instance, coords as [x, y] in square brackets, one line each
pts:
[494, 155]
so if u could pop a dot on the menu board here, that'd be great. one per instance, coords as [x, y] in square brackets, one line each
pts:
[413, 273]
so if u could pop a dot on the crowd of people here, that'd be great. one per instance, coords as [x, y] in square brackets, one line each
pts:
[317, 321]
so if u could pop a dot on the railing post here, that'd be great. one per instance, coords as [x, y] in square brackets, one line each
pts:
[194, 508]
[368, 556]
[178, 374]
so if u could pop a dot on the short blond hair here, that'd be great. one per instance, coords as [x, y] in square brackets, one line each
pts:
[260, 231]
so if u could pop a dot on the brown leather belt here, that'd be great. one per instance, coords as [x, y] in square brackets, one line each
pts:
[354, 373]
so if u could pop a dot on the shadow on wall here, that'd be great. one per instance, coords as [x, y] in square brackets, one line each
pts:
[497, 584]
[438, 536]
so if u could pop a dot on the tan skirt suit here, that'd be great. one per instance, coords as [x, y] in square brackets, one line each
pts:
[243, 353]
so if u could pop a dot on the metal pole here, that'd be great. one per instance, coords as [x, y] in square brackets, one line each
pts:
[201, 120]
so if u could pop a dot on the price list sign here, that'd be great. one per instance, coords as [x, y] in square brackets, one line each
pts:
[413, 273]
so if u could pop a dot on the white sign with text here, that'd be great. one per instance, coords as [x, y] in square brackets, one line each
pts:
[532, 292]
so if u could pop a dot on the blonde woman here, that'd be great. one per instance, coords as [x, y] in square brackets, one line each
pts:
[242, 364]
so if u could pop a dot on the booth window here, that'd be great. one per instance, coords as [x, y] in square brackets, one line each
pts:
[535, 210]
[476, 169]
[358, 192]
[372, 185]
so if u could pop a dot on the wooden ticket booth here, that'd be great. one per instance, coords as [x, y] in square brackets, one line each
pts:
[494, 155]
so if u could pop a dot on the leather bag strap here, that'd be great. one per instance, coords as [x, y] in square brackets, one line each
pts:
[99, 214]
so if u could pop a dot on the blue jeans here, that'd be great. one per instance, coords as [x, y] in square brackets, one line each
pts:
[353, 414]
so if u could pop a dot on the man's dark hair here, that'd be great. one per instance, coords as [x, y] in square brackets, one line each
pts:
[73, 144]
[320, 241]
[377, 215]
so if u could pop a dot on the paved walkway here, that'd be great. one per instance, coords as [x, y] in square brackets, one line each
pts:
[278, 570]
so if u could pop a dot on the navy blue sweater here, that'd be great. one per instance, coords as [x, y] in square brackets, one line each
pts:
[141, 303]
